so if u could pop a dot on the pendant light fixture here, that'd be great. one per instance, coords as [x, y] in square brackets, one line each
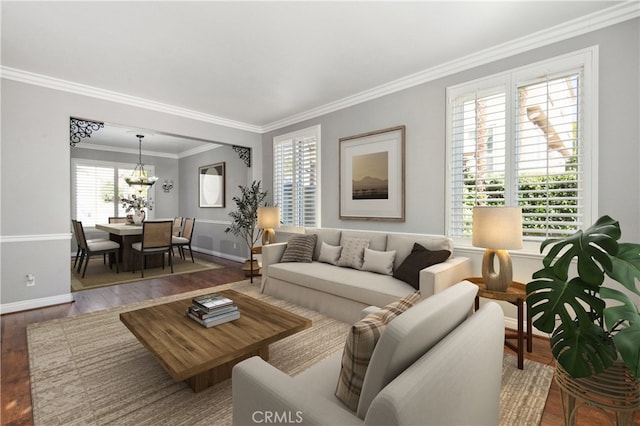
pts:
[139, 176]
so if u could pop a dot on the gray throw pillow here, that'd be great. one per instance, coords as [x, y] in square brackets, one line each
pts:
[352, 255]
[300, 249]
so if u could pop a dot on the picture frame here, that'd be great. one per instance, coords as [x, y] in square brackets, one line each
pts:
[372, 176]
[211, 185]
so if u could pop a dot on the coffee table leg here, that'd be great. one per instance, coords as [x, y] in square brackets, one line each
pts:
[206, 379]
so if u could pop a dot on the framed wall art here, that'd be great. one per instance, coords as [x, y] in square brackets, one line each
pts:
[211, 182]
[372, 176]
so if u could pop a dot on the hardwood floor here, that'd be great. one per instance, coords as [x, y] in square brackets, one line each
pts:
[14, 380]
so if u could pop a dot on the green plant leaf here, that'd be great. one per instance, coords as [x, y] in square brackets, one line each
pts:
[582, 350]
[592, 247]
[626, 266]
[549, 297]
[624, 320]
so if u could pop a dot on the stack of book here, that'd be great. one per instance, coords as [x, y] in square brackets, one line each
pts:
[212, 309]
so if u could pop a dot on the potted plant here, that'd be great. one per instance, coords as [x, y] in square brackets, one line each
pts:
[598, 324]
[243, 220]
[136, 203]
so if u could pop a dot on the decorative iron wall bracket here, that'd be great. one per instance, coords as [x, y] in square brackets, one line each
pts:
[244, 153]
[79, 128]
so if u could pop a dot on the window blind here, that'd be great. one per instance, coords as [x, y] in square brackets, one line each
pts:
[516, 141]
[98, 187]
[295, 172]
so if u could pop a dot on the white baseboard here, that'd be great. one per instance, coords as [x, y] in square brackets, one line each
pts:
[219, 254]
[25, 305]
[513, 324]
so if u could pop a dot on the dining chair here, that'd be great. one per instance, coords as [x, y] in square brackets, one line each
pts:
[177, 226]
[120, 219]
[156, 240]
[88, 248]
[79, 251]
[184, 240]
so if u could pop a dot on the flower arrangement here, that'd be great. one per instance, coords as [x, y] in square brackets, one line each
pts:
[135, 203]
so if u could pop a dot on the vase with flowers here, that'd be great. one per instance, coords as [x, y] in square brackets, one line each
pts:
[136, 204]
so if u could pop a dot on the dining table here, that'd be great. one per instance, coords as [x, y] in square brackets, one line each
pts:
[126, 234]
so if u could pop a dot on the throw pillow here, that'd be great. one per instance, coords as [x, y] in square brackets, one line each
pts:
[418, 259]
[352, 255]
[329, 254]
[299, 248]
[380, 262]
[361, 342]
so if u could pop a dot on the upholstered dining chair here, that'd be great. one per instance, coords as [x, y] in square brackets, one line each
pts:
[177, 226]
[114, 219]
[156, 240]
[88, 248]
[184, 240]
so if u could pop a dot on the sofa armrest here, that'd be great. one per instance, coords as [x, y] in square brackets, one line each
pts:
[259, 390]
[437, 277]
[368, 310]
[271, 253]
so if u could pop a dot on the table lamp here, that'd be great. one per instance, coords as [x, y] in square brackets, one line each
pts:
[268, 218]
[497, 229]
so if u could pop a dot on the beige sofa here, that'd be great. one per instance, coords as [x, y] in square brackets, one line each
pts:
[342, 292]
[421, 372]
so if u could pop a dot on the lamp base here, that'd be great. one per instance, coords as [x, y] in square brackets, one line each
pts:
[497, 281]
[268, 236]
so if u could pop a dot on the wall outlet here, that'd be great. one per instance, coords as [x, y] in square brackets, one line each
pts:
[235, 245]
[31, 280]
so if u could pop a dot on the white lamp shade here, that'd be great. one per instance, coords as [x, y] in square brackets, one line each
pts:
[268, 217]
[498, 228]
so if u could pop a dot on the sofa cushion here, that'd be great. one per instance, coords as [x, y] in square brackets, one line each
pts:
[377, 240]
[380, 262]
[403, 244]
[420, 258]
[412, 334]
[359, 347]
[364, 287]
[329, 254]
[328, 235]
[352, 255]
[300, 249]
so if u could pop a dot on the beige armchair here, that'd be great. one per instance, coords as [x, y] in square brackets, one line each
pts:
[435, 364]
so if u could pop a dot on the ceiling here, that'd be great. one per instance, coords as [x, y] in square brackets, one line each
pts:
[260, 62]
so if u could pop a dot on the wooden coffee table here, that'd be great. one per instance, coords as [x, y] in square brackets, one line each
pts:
[201, 356]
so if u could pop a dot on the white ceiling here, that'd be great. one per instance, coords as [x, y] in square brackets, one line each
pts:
[260, 62]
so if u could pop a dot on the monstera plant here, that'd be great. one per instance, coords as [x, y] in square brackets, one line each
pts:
[592, 323]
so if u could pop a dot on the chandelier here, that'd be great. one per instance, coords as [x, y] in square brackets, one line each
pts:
[139, 176]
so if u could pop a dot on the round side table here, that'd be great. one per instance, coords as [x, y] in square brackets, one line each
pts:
[516, 294]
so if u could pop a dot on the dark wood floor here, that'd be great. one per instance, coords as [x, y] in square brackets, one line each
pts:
[14, 380]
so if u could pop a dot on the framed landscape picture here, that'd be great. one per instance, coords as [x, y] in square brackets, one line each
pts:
[211, 185]
[372, 175]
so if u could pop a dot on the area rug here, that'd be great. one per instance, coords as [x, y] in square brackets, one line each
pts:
[99, 275]
[91, 370]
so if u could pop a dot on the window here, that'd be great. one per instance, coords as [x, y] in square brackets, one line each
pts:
[94, 188]
[296, 187]
[523, 138]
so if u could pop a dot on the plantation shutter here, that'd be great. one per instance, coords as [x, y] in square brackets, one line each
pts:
[295, 180]
[519, 143]
[94, 191]
[550, 158]
[98, 187]
[478, 165]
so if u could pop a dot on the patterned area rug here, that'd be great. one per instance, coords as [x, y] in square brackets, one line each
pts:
[91, 370]
[99, 275]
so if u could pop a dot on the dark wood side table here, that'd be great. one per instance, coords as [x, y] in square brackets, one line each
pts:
[516, 295]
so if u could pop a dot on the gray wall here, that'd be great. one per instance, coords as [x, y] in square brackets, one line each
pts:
[422, 110]
[35, 181]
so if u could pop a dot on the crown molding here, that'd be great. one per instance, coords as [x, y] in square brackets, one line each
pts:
[595, 21]
[108, 95]
[588, 23]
